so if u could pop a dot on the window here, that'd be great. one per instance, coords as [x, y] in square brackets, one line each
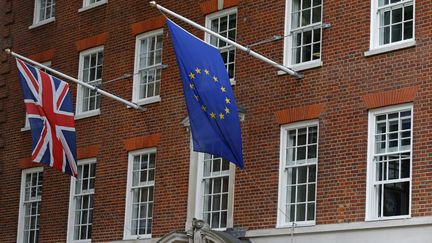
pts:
[298, 174]
[89, 4]
[81, 202]
[139, 194]
[392, 25]
[148, 67]
[90, 71]
[215, 188]
[304, 34]
[27, 122]
[30, 202]
[44, 11]
[389, 163]
[225, 24]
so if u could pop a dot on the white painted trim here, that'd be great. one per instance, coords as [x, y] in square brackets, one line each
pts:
[128, 204]
[86, 114]
[79, 114]
[390, 47]
[323, 228]
[374, 46]
[370, 210]
[71, 216]
[136, 76]
[198, 164]
[209, 18]
[287, 53]
[20, 228]
[40, 23]
[281, 211]
[90, 6]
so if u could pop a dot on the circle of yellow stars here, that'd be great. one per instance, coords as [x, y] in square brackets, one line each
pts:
[212, 114]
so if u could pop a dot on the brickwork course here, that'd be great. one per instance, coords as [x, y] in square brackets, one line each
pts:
[338, 94]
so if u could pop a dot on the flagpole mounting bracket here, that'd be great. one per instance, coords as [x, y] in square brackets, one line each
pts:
[153, 4]
[8, 51]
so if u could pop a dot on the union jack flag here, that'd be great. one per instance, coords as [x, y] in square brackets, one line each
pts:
[49, 108]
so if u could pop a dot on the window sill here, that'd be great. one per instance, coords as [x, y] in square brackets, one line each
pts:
[296, 225]
[388, 218]
[390, 47]
[25, 129]
[40, 23]
[138, 237]
[146, 101]
[91, 6]
[87, 114]
[303, 66]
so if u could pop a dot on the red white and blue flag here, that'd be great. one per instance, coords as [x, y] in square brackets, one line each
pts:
[48, 105]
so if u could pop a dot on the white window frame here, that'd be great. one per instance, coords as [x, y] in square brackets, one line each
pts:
[72, 204]
[199, 190]
[87, 5]
[136, 79]
[128, 205]
[36, 15]
[371, 200]
[374, 46]
[207, 36]
[288, 43]
[20, 228]
[79, 114]
[281, 212]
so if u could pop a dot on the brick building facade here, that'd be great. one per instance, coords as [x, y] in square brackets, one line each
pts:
[342, 155]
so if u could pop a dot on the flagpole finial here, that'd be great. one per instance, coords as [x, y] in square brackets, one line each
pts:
[153, 4]
[7, 50]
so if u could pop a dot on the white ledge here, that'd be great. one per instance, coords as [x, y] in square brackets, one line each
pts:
[24, 129]
[40, 23]
[87, 114]
[322, 228]
[93, 5]
[303, 66]
[146, 101]
[390, 47]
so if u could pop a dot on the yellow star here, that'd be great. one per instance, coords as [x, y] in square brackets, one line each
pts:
[223, 89]
[191, 85]
[215, 78]
[196, 97]
[206, 71]
[191, 75]
[228, 101]
[227, 110]
[221, 116]
[203, 108]
[197, 70]
[213, 115]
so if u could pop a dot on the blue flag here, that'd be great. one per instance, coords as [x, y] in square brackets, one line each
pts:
[209, 98]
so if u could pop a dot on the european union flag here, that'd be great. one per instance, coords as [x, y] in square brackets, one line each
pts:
[209, 98]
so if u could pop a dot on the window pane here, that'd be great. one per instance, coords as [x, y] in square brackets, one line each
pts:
[396, 199]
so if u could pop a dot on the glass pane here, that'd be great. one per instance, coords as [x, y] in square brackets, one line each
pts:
[301, 154]
[311, 192]
[397, 15]
[306, 53]
[310, 211]
[396, 32]
[396, 199]
[405, 168]
[312, 173]
[295, 20]
[306, 17]
[301, 193]
[301, 211]
[408, 13]
[302, 174]
[306, 4]
[408, 30]
[316, 15]
[312, 152]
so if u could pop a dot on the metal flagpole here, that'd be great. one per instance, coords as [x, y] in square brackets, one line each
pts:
[100, 91]
[235, 44]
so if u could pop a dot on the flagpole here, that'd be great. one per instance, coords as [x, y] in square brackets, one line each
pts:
[235, 44]
[96, 89]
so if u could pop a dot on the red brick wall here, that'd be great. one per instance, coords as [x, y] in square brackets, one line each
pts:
[341, 85]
